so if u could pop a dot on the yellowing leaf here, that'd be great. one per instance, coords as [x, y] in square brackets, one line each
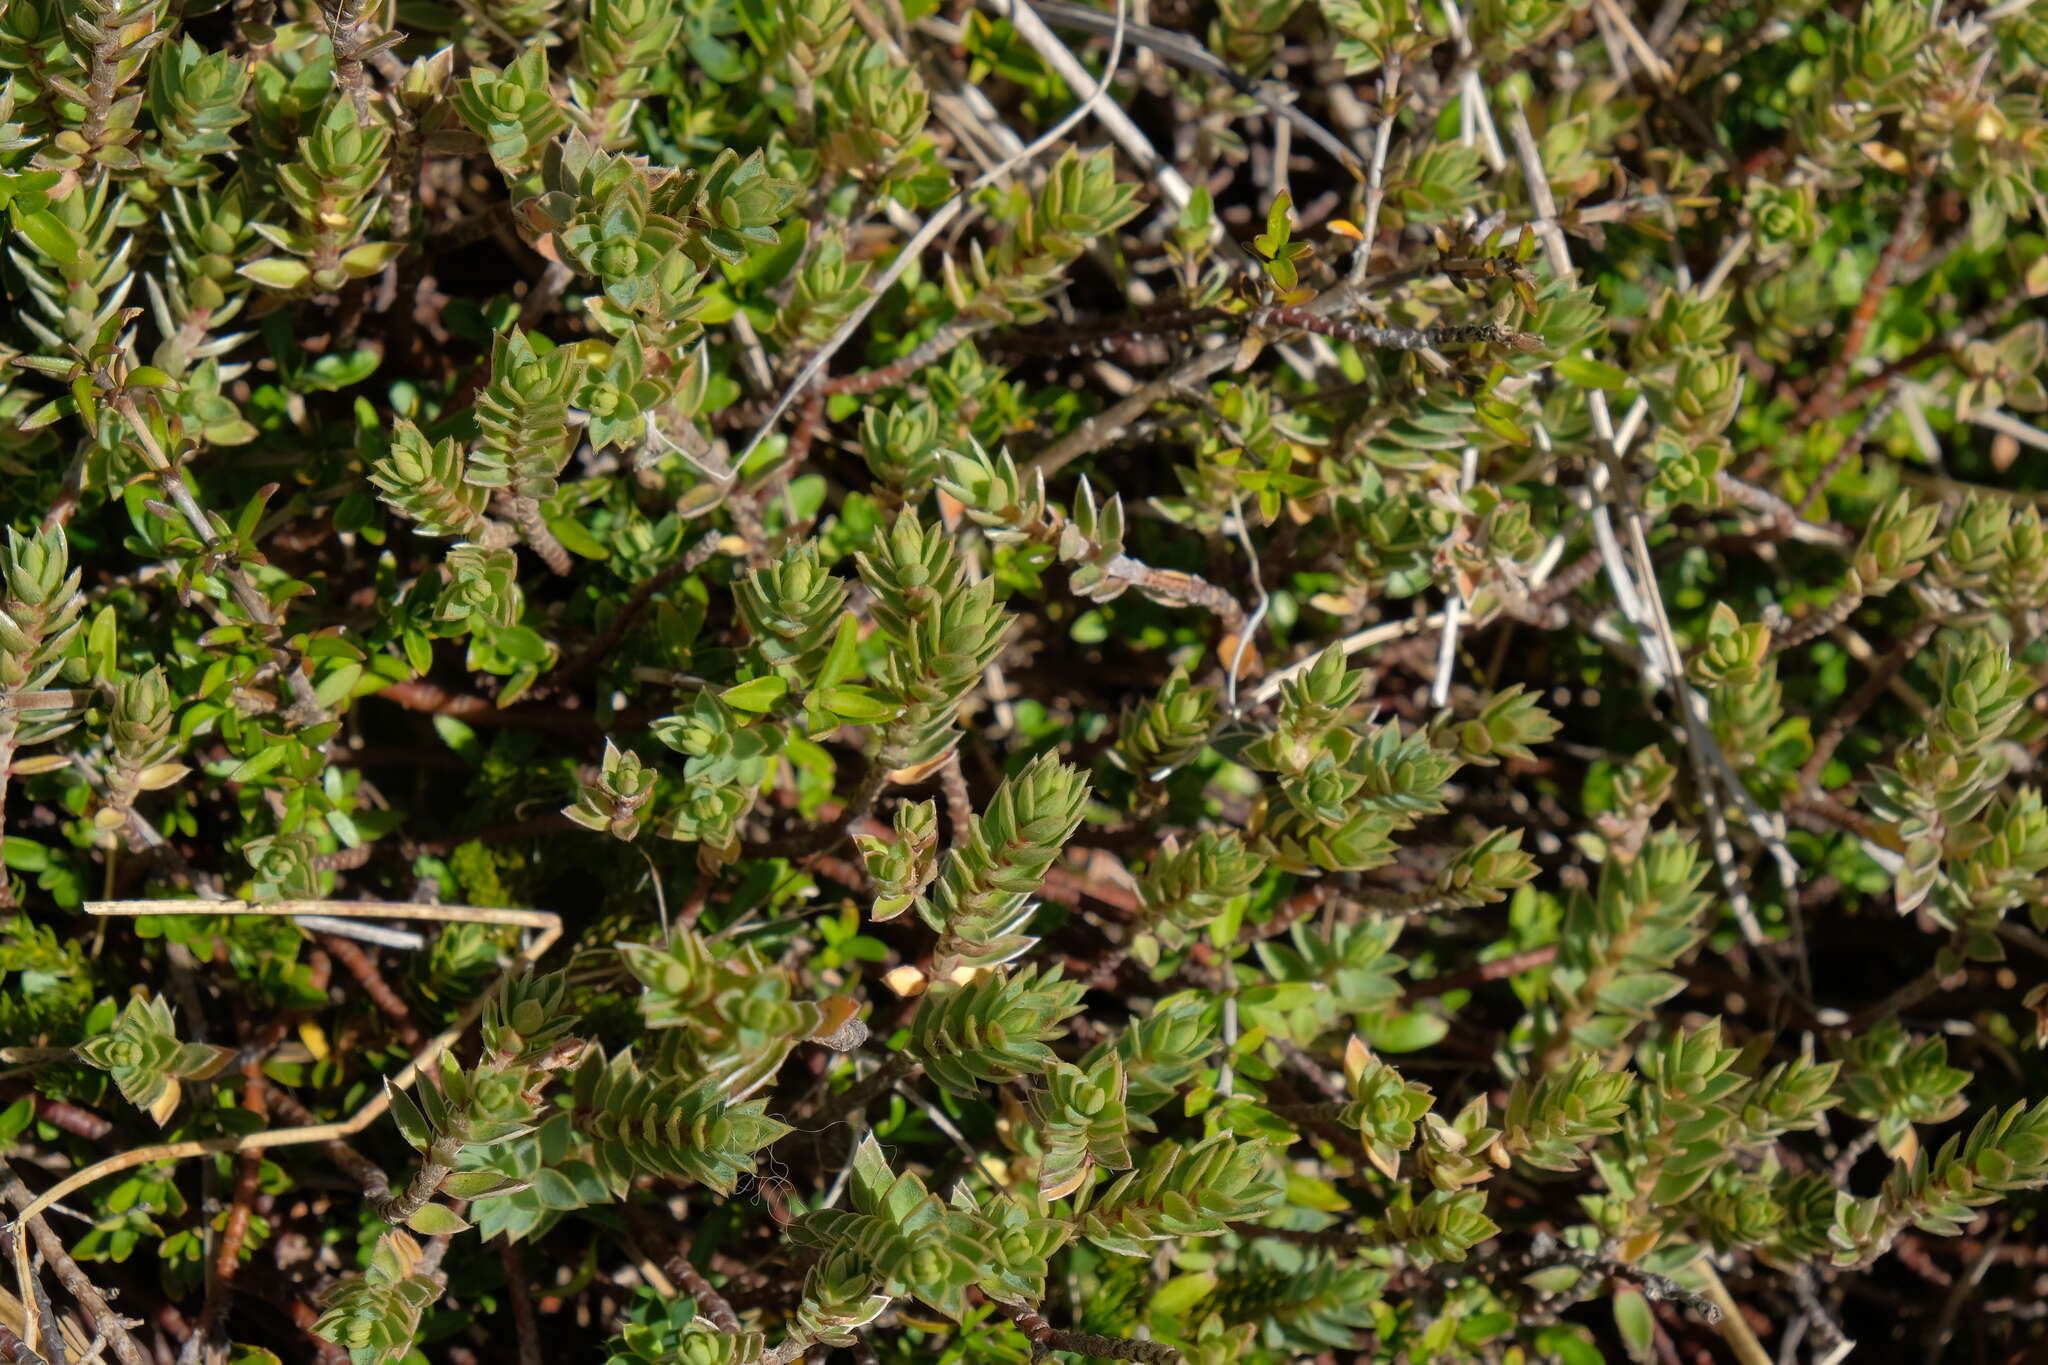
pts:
[1060, 1189]
[277, 272]
[907, 981]
[157, 776]
[918, 772]
[166, 1102]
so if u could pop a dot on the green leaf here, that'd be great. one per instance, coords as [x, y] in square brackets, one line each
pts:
[842, 660]
[1589, 373]
[1182, 1293]
[52, 237]
[412, 1124]
[576, 538]
[15, 1117]
[25, 855]
[1500, 424]
[259, 763]
[1309, 1192]
[102, 644]
[370, 258]
[436, 1220]
[419, 652]
[1632, 1318]
[1274, 238]
[757, 696]
[1553, 1279]
[338, 684]
[523, 645]
[1405, 1032]
[481, 1185]
[854, 704]
[277, 272]
[1569, 1345]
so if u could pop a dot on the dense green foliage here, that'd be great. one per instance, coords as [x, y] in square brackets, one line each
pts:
[1388, 708]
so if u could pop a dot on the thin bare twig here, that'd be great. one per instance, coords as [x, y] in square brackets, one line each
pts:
[1184, 49]
[1882, 673]
[520, 1295]
[1850, 448]
[683, 566]
[1376, 173]
[1601, 476]
[1185, 589]
[363, 968]
[1032, 29]
[1454, 609]
[1269, 687]
[710, 1302]
[1735, 1328]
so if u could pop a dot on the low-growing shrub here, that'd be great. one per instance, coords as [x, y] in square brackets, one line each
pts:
[720, 681]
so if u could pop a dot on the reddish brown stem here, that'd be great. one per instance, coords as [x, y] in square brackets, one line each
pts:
[899, 371]
[432, 700]
[1858, 438]
[808, 419]
[1294, 908]
[303, 1316]
[898, 1066]
[710, 1302]
[1500, 969]
[1949, 340]
[69, 1118]
[359, 964]
[1046, 1338]
[359, 1168]
[344, 859]
[691, 560]
[1826, 810]
[959, 805]
[1103, 337]
[518, 1293]
[1820, 623]
[1568, 580]
[1826, 395]
[227, 1261]
[1845, 718]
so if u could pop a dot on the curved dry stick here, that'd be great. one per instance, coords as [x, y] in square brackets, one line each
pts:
[548, 923]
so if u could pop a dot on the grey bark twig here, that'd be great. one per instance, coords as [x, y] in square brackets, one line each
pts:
[74, 1280]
